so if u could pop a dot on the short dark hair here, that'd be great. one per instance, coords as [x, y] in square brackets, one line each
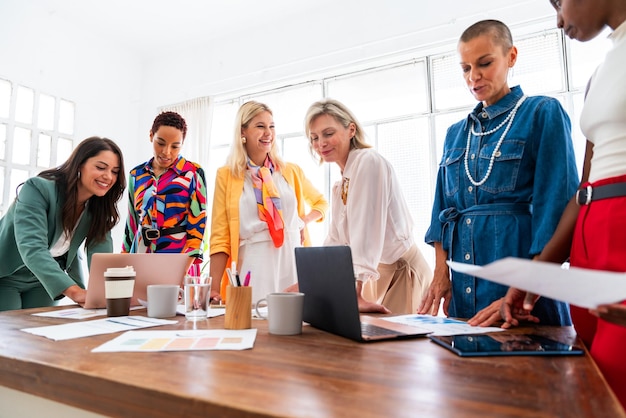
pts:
[172, 119]
[103, 209]
[499, 31]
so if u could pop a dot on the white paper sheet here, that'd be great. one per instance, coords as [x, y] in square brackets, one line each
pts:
[582, 287]
[440, 325]
[211, 313]
[96, 327]
[210, 339]
[78, 313]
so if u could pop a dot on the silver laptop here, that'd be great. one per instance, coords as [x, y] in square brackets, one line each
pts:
[326, 277]
[154, 268]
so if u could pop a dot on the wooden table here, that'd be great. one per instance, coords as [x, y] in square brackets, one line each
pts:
[315, 374]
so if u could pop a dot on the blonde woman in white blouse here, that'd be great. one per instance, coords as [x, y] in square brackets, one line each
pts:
[369, 213]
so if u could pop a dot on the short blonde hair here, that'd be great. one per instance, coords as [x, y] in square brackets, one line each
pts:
[341, 114]
[238, 158]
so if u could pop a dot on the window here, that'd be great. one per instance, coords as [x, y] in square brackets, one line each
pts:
[406, 109]
[387, 92]
[36, 132]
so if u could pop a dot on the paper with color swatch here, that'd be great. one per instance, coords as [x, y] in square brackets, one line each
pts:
[210, 339]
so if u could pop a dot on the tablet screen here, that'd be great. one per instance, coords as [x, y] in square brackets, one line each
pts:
[505, 345]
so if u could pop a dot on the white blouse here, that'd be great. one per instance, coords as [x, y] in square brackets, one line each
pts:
[65, 240]
[603, 119]
[375, 220]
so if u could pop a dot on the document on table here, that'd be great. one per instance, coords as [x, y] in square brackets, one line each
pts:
[582, 287]
[440, 325]
[78, 313]
[210, 313]
[210, 339]
[96, 327]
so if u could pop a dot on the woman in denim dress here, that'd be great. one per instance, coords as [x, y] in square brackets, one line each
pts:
[507, 173]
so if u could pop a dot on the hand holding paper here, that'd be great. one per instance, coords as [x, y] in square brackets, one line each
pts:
[582, 287]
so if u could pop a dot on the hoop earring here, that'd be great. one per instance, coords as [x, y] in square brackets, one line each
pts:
[79, 174]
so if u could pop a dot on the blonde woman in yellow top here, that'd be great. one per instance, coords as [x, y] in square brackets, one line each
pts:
[259, 234]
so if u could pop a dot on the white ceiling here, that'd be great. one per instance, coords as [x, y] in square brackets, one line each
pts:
[152, 26]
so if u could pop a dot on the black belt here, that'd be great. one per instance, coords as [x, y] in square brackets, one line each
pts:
[590, 194]
[151, 234]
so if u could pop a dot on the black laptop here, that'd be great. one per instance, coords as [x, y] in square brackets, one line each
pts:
[326, 277]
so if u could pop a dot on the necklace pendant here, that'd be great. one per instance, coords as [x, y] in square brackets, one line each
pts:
[344, 190]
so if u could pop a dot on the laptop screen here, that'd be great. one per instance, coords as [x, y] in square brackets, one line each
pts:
[154, 268]
[326, 277]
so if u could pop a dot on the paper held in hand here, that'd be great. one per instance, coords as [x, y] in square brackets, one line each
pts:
[582, 287]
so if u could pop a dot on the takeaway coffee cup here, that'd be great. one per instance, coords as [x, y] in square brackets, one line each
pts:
[284, 312]
[119, 283]
[162, 300]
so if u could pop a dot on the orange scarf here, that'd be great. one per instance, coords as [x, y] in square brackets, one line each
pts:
[268, 199]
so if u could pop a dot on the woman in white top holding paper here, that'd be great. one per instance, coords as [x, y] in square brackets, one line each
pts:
[369, 213]
[591, 230]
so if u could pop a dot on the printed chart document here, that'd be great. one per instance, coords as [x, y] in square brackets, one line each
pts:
[73, 313]
[210, 339]
[78, 313]
[581, 287]
[440, 325]
[96, 327]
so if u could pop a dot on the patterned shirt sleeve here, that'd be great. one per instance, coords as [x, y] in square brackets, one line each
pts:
[132, 218]
[196, 217]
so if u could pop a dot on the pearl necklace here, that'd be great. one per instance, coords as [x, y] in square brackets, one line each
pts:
[509, 119]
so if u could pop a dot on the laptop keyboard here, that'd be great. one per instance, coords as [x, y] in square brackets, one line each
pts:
[370, 330]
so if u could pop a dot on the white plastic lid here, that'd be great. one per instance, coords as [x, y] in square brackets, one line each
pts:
[127, 271]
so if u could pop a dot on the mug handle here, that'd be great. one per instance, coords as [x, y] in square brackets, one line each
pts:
[256, 308]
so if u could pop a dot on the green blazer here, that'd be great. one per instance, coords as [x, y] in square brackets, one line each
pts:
[32, 226]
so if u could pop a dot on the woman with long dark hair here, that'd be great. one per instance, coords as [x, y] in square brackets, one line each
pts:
[53, 214]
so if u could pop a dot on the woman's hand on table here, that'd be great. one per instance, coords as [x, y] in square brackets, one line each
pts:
[516, 306]
[440, 287]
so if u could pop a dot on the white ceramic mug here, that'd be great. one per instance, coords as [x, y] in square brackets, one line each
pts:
[284, 312]
[162, 300]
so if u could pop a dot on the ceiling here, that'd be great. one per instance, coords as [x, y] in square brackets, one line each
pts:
[151, 26]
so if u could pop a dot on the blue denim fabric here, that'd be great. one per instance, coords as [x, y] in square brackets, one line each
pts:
[515, 212]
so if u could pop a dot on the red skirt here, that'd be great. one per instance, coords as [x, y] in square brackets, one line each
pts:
[600, 243]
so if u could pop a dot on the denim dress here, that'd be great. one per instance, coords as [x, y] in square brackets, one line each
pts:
[516, 210]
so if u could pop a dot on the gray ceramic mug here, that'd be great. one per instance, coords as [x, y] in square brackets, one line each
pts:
[284, 312]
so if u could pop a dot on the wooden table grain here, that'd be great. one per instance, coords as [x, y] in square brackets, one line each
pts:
[315, 374]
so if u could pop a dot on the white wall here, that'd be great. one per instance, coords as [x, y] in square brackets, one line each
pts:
[40, 51]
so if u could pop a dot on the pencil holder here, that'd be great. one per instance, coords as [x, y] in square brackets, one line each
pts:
[238, 307]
